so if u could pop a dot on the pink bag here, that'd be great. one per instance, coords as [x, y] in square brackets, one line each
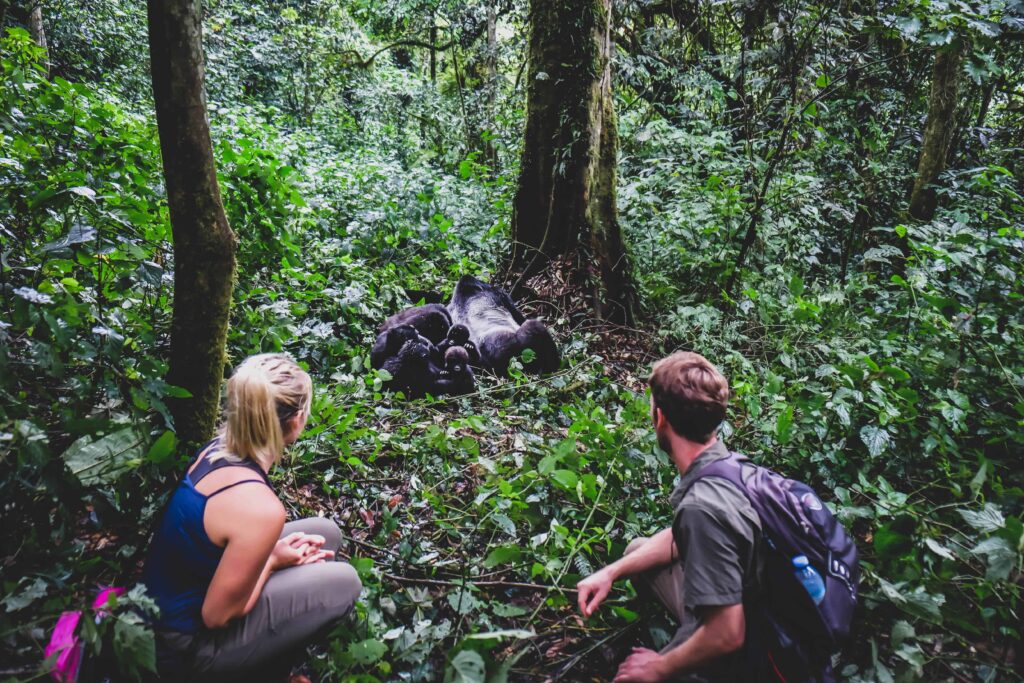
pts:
[66, 645]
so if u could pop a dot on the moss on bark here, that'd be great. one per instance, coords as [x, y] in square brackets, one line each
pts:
[938, 131]
[204, 244]
[565, 200]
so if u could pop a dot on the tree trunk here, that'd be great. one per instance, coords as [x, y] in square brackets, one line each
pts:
[38, 31]
[938, 132]
[204, 245]
[433, 50]
[565, 200]
[491, 88]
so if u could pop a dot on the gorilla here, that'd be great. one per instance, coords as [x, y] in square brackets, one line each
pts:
[392, 340]
[411, 360]
[457, 377]
[498, 329]
[431, 320]
[458, 336]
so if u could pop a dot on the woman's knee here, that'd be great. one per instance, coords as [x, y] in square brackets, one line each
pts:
[320, 526]
[341, 586]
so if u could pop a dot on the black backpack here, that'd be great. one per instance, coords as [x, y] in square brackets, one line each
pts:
[789, 638]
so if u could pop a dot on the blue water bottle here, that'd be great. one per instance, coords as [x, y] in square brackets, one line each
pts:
[810, 578]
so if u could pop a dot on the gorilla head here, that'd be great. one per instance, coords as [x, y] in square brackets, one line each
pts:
[456, 360]
[458, 334]
[457, 377]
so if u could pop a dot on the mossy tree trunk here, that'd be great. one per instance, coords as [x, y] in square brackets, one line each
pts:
[565, 200]
[938, 131]
[204, 245]
[37, 30]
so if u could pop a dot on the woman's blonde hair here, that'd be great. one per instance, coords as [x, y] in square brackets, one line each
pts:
[265, 392]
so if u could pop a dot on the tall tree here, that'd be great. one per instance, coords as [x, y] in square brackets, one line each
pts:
[565, 200]
[204, 245]
[38, 31]
[938, 131]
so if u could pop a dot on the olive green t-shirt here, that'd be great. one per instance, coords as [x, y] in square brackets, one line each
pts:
[717, 534]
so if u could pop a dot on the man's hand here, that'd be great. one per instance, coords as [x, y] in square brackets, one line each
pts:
[593, 590]
[643, 666]
[298, 548]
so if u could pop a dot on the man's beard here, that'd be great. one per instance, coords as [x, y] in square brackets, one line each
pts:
[664, 443]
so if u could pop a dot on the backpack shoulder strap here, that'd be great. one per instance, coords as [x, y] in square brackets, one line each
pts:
[729, 469]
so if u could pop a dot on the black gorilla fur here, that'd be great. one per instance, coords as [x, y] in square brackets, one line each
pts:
[429, 349]
[458, 336]
[412, 361]
[431, 320]
[499, 330]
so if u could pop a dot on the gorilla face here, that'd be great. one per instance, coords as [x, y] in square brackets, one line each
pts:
[456, 360]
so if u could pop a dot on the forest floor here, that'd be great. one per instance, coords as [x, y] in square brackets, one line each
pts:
[564, 647]
[415, 524]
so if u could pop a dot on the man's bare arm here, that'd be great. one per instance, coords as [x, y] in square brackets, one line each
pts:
[722, 632]
[658, 551]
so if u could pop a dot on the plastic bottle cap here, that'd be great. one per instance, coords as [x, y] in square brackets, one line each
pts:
[800, 561]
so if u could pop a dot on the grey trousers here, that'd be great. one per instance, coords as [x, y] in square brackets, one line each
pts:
[667, 585]
[296, 605]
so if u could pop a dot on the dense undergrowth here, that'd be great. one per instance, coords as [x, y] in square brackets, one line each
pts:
[893, 384]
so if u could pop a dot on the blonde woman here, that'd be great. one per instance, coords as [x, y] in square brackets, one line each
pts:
[240, 591]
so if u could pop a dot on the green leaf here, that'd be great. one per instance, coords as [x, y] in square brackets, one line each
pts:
[875, 438]
[901, 631]
[979, 478]
[565, 478]
[547, 465]
[502, 609]
[1000, 556]
[177, 392]
[898, 374]
[629, 615]
[27, 592]
[102, 460]
[463, 601]
[161, 448]
[468, 667]
[908, 26]
[987, 520]
[86, 192]
[502, 555]
[784, 424]
[506, 524]
[917, 602]
[367, 651]
[134, 644]
[939, 549]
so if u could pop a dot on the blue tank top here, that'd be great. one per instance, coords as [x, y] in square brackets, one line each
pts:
[182, 558]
